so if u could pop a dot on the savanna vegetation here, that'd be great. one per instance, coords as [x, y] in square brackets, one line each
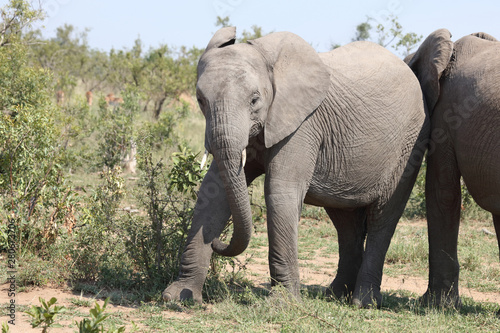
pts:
[99, 168]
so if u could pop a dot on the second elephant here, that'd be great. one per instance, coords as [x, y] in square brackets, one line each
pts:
[344, 130]
[461, 83]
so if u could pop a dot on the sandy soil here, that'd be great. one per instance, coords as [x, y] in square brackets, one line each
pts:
[257, 271]
[259, 275]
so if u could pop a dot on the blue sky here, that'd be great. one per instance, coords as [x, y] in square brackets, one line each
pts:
[117, 23]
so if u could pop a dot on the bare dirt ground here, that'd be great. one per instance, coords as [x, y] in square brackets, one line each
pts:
[256, 270]
[65, 297]
[259, 275]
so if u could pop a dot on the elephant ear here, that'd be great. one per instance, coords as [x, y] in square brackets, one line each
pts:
[223, 37]
[485, 36]
[429, 63]
[300, 81]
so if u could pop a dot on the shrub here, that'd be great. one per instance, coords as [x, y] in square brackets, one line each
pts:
[45, 315]
[33, 191]
[156, 242]
[98, 251]
[116, 133]
[116, 249]
[95, 323]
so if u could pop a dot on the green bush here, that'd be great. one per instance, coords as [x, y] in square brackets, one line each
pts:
[156, 242]
[33, 190]
[160, 133]
[116, 130]
[98, 251]
[39, 270]
[45, 315]
[95, 323]
[186, 173]
[118, 249]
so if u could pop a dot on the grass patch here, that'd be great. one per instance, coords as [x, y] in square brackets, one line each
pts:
[408, 252]
[255, 312]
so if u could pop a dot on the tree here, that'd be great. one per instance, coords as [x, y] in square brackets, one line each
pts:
[222, 22]
[392, 36]
[362, 32]
[249, 35]
[169, 73]
[395, 37]
[16, 17]
[69, 58]
[32, 190]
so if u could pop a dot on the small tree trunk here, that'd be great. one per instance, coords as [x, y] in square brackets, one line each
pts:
[158, 106]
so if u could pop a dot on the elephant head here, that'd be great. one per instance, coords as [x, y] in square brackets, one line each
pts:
[267, 86]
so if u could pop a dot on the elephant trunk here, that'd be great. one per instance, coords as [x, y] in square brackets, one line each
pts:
[233, 177]
[227, 134]
[227, 138]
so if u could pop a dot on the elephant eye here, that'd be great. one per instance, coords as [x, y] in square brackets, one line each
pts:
[200, 101]
[254, 101]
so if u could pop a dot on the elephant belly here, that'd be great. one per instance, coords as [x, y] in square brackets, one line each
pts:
[341, 202]
[483, 183]
[485, 189]
[478, 158]
[336, 193]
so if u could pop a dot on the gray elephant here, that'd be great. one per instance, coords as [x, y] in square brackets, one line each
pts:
[344, 130]
[461, 84]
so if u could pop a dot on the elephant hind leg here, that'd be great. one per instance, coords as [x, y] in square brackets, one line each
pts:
[443, 200]
[496, 222]
[351, 230]
[381, 221]
[380, 226]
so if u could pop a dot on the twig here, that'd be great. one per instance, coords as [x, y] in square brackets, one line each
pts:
[312, 315]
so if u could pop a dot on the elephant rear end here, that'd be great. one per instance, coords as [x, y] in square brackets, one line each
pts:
[471, 100]
[378, 124]
[461, 83]
[371, 152]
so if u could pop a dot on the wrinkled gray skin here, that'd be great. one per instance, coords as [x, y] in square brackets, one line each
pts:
[461, 83]
[339, 130]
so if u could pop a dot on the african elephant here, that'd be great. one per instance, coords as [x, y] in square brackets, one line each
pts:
[461, 84]
[341, 130]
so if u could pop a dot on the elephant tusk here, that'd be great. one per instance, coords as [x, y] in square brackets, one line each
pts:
[204, 159]
[243, 158]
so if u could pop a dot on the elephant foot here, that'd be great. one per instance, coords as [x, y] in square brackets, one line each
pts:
[289, 288]
[340, 291]
[367, 297]
[447, 299]
[179, 291]
[280, 293]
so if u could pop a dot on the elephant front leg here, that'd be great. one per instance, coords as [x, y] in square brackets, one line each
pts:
[351, 229]
[443, 198]
[283, 212]
[210, 216]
